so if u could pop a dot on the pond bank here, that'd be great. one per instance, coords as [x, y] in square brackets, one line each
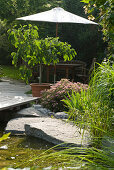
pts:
[52, 127]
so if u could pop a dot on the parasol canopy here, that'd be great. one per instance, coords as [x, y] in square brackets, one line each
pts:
[57, 15]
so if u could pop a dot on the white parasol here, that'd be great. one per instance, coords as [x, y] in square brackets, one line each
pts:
[57, 15]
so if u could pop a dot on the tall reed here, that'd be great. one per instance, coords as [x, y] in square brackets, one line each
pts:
[93, 110]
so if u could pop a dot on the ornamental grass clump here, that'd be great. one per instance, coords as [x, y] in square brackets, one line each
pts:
[93, 110]
[52, 98]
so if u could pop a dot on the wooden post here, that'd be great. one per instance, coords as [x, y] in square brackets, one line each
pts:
[47, 74]
[54, 74]
[40, 78]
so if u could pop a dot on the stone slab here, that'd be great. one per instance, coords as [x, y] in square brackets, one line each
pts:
[13, 88]
[12, 94]
[56, 131]
[16, 126]
[52, 130]
[31, 112]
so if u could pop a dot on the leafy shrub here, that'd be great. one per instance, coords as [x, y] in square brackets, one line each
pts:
[33, 51]
[52, 98]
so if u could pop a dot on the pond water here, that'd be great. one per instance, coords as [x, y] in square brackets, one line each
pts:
[17, 150]
[22, 151]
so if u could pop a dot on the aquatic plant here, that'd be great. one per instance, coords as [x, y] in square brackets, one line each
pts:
[71, 158]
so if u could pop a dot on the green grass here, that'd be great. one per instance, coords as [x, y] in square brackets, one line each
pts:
[9, 72]
[93, 110]
[72, 158]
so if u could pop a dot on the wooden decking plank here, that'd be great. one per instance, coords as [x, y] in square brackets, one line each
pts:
[7, 102]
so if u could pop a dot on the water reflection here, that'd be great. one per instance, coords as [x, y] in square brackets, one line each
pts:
[35, 143]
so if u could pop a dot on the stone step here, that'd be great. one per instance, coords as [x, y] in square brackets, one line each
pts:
[52, 127]
[57, 132]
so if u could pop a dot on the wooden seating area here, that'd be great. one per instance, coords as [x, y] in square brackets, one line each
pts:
[72, 70]
[69, 70]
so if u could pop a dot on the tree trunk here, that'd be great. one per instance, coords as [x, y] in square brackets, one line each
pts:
[40, 70]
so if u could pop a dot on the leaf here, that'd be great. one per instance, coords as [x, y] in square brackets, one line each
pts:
[4, 137]
[85, 1]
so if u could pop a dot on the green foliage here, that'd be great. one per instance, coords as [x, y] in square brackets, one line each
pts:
[93, 110]
[80, 158]
[33, 51]
[105, 16]
[102, 83]
[74, 158]
[9, 72]
[52, 98]
[5, 46]
[11, 9]
[85, 38]
[4, 137]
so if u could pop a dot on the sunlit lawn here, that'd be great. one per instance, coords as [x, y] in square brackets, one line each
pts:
[9, 72]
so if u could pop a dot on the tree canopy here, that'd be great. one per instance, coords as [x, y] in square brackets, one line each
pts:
[105, 17]
[86, 39]
[34, 51]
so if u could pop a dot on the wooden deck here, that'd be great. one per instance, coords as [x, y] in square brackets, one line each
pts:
[9, 102]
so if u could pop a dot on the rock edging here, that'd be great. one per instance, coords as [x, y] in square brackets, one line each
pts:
[53, 127]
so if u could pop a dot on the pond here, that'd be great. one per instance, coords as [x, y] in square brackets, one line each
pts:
[22, 151]
[17, 150]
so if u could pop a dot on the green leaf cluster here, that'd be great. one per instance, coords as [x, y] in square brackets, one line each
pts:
[93, 110]
[105, 17]
[11, 9]
[85, 38]
[33, 51]
[4, 137]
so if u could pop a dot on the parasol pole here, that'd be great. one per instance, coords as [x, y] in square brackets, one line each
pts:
[56, 29]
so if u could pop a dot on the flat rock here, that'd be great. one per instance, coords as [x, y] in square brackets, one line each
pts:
[52, 130]
[56, 131]
[8, 102]
[44, 111]
[61, 115]
[30, 112]
[16, 126]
